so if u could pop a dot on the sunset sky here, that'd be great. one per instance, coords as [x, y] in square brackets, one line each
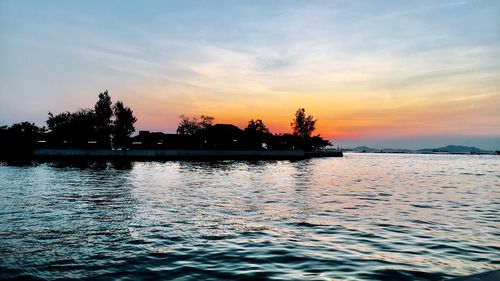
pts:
[379, 73]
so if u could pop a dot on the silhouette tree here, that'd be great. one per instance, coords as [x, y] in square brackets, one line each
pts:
[316, 142]
[18, 140]
[123, 125]
[58, 122]
[206, 121]
[26, 128]
[191, 126]
[188, 126]
[103, 123]
[285, 142]
[72, 129]
[86, 127]
[25, 134]
[257, 126]
[257, 134]
[303, 126]
[60, 128]
[82, 128]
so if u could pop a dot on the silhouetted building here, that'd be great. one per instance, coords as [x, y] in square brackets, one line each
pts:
[223, 136]
[151, 140]
[218, 136]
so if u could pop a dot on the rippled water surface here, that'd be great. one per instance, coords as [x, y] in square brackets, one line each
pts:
[361, 217]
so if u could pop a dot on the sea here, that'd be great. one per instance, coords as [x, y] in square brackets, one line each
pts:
[360, 217]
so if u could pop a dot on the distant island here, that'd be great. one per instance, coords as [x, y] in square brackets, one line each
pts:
[449, 149]
[105, 131]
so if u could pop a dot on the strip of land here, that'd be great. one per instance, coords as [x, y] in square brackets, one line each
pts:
[177, 154]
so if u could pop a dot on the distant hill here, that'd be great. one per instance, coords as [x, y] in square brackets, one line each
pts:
[397, 150]
[454, 149]
[365, 149]
[386, 150]
[444, 149]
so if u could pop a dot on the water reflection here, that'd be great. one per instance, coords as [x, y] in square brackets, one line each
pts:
[373, 217]
[65, 207]
[92, 165]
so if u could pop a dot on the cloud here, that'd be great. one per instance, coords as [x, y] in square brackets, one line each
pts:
[361, 62]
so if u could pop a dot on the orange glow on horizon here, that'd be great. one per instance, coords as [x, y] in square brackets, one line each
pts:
[339, 117]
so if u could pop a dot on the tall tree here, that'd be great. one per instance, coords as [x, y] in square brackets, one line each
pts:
[103, 122]
[303, 125]
[123, 125]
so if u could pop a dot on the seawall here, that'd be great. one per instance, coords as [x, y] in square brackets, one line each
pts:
[164, 154]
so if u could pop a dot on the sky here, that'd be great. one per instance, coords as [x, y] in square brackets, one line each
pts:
[407, 74]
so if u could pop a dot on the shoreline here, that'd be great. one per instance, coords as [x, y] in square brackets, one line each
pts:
[176, 154]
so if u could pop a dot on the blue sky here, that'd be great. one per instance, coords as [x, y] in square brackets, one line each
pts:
[385, 72]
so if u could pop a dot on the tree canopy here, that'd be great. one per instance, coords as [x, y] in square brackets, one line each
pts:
[193, 126]
[302, 125]
[109, 125]
[74, 129]
[19, 138]
[257, 134]
[123, 125]
[257, 126]
[103, 114]
[93, 126]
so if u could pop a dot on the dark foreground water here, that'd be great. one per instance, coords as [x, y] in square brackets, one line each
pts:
[361, 217]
